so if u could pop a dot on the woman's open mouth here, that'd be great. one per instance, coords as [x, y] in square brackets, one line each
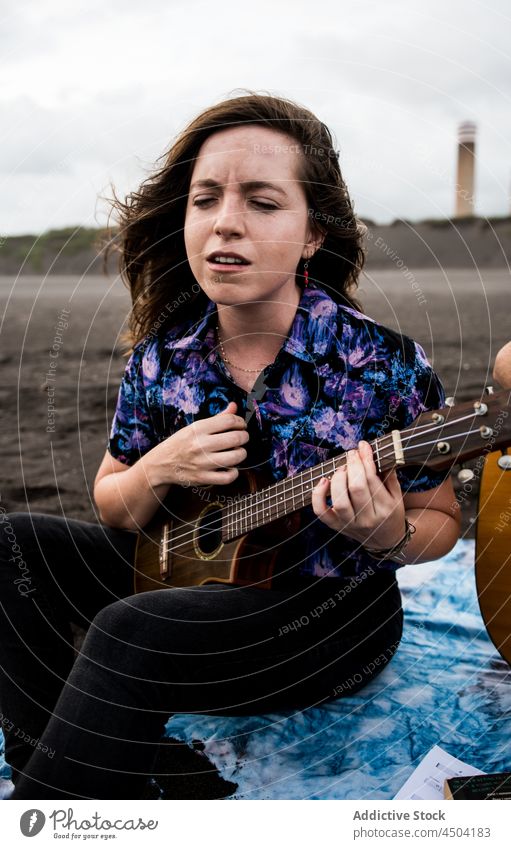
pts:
[228, 261]
[227, 266]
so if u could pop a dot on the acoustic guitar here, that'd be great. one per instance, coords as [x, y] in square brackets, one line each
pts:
[493, 550]
[234, 534]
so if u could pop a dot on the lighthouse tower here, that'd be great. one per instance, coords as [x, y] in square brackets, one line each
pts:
[464, 200]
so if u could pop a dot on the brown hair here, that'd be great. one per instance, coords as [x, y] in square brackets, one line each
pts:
[152, 256]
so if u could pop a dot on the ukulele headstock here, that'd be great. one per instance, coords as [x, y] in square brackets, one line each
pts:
[440, 438]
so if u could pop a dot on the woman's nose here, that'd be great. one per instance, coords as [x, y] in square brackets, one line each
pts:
[230, 216]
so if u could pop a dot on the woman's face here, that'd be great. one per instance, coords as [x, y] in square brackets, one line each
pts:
[267, 225]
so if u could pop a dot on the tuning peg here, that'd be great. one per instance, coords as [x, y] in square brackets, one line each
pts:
[449, 402]
[504, 462]
[489, 390]
[480, 408]
[465, 475]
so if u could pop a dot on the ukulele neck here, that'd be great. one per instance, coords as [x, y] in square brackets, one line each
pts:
[258, 509]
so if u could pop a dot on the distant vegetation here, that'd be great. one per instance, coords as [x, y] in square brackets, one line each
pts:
[465, 242]
[68, 250]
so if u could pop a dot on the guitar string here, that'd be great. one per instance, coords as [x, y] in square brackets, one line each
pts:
[215, 527]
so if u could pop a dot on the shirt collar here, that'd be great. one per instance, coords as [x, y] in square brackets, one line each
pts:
[310, 338]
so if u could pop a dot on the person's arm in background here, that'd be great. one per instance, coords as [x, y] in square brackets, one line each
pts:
[502, 367]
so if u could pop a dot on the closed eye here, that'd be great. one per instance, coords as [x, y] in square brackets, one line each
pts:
[267, 206]
[264, 205]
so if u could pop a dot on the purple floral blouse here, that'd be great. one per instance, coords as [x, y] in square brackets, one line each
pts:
[339, 377]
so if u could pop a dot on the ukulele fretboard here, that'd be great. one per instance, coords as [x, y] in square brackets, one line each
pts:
[257, 509]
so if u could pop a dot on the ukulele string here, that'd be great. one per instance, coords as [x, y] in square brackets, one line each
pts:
[410, 432]
[189, 534]
[405, 435]
[293, 486]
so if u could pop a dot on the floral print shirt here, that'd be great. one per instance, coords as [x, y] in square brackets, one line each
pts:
[339, 377]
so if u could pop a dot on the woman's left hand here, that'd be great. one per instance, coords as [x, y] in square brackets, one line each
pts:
[364, 506]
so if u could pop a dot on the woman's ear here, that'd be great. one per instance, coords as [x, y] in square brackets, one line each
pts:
[315, 241]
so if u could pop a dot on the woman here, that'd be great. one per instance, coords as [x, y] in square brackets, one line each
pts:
[249, 351]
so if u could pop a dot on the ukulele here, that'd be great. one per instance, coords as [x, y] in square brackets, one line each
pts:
[234, 534]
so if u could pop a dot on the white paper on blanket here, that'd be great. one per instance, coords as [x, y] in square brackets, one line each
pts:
[427, 779]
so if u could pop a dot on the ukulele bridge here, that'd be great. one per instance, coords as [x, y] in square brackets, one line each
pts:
[164, 550]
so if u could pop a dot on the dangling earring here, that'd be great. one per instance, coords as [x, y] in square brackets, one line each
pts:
[306, 272]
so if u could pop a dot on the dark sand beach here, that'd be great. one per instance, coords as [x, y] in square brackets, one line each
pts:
[49, 459]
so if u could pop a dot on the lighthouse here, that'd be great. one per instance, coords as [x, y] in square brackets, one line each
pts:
[464, 201]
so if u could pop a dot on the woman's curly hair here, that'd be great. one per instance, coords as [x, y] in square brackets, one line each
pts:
[150, 233]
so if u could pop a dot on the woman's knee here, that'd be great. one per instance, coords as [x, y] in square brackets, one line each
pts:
[124, 639]
[154, 621]
[126, 617]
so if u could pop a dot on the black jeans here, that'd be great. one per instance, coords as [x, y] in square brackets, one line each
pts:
[88, 725]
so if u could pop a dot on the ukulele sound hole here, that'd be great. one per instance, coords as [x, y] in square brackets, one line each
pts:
[210, 530]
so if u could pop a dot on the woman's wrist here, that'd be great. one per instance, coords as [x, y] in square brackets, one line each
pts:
[395, 552]
[152, 469]
[149, 469]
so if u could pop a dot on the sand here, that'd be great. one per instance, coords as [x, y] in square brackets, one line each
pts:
[49, 461]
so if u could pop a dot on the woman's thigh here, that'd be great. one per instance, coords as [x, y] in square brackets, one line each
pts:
[242, 650]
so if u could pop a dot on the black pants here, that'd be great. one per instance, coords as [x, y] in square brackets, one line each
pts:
[89, 725]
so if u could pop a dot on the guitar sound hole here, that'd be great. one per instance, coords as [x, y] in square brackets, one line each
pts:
[210, 530]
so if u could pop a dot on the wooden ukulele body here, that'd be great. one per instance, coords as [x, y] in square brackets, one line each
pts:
[182, 545]
[493, 553]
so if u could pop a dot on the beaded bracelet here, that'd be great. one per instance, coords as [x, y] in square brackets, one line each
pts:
[396, 550]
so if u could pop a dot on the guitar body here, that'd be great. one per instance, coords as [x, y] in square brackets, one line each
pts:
[493, 553]
[182, 545]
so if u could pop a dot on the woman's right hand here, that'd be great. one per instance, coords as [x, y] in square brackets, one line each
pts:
[205, 452]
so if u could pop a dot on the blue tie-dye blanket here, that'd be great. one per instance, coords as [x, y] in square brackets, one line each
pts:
[447, 684]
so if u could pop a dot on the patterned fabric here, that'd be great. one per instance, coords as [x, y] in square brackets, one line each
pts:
[446, 685]
[339, 377]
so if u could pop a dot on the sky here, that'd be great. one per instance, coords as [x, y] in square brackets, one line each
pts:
[92, 93]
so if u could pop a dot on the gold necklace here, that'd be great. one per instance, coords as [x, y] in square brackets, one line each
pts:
[226, 360]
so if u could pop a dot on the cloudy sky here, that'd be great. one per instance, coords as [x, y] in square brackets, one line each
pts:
[91, 93]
